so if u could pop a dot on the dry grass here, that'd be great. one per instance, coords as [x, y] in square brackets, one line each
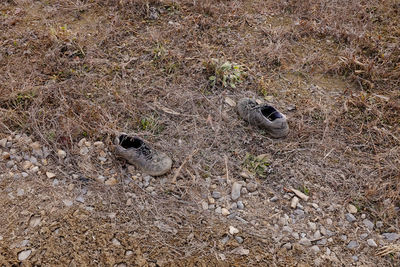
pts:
[73, 69]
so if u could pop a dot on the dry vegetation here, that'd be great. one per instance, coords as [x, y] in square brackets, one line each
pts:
[74, 69]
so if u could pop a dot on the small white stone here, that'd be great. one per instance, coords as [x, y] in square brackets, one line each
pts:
[84, 151]
[3, 142]
[34, 221]
[82, 142]
[101, 178]
[98, 144]
[233, 230]
[67, 202]
[50, 175]
[35, 169]
[294, 202]
[23, 255]
[61, 154]
[128, 253]
[20, 192]
[225, 211]
[351, 209]
[315, 249]
[372, 243]
[204, 205]
[116, 242]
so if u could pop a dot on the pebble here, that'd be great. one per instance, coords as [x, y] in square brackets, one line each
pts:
[391, 236]
[26, 164]
[251, 186]
[211, 206]
[322, 242]
[273, 199]
[244, 190]
[20, 192]
[80, 199]
[98, 144]
[317, 234]
[313, 226]
[239, 239]
[287, 229]
[67, 202]
[3, 142]
[299, 212]
[225, 239]
[61, 154]
[84, 151]
[371, 243]
[111, 181]
[116, 242]
[315, 249]
[350, 217]
[351, 209]
[343, 237]
[10, 164]
[128, 253]
[216, 194]
[211, 200]
[146, 180]
[233, 230]
[352, 244]
[294, 202]
[225, 211]
[240, 205]
[218, 210]
[287, 246]
[363, 236]
[35, 169]
[240, 251]
[368, 224]
[23, 255]
[355, 258]
[296, 235]
[379, 224]
[204, 205]
[234, 206]
[305, 242]
[50, 175]
[236, 190]
[34, 221]
[24, 174]
[363, 216]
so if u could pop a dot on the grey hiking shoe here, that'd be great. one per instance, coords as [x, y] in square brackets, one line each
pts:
[138, 153]
[263, 116]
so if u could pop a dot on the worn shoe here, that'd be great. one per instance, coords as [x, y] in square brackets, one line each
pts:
[263, 116]
[138, 153]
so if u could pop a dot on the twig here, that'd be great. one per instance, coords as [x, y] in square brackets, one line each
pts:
[180, 167]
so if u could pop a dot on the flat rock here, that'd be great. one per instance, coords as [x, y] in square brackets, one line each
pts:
[370, 225]
[23, 255]
[240, 251]
[371, 243]
[225, 212]
[50, 175]
[233, 230]
[350, 217]
[391, 236]
[305, 242]
[352, 244]
[236, 187]
[204, 205]
[240, 205]
[216, 194]
[239, 239]
[315, 249]
[351, 209]
[251, 186]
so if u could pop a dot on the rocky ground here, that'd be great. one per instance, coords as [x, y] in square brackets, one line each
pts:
[43, 198]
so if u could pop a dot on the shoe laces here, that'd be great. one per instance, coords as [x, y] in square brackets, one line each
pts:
[145, 151]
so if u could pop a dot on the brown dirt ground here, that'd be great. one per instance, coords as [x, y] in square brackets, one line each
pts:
[74, 69]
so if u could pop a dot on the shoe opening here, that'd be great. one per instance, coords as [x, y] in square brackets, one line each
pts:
[129, 142]
[271, 113]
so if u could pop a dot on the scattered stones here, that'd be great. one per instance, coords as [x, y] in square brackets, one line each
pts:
[391, 236]
[23, 255]
[294, 202]
[240, 205]
[240, 251]
[236, 190]
[50, 175]
[368, 224]
[233, 230]
[351, 209]
[352, 244]
[371, 243]
[305, 242]
[350, 217]
[251, 186]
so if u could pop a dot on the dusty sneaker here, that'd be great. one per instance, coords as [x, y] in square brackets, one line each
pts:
[138, 153]
[263, 116]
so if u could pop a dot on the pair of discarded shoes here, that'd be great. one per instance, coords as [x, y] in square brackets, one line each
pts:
[156, 163]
